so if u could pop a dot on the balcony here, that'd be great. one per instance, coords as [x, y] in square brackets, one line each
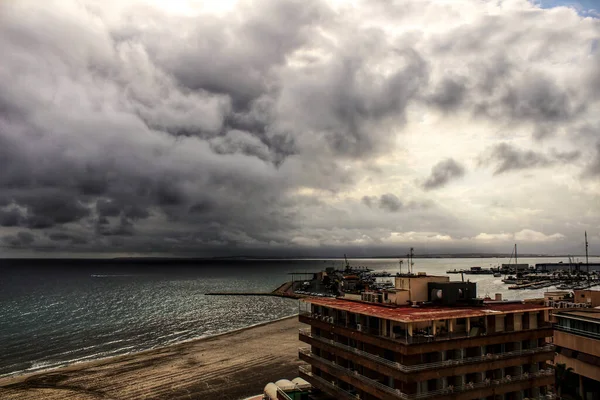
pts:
[324, 385]
[588, 334]
[427, 366]
[376, 388]
[406, 339]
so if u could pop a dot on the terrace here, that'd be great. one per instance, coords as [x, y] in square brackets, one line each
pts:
[426, 366]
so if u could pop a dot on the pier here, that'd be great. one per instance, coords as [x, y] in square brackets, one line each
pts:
[285, 290]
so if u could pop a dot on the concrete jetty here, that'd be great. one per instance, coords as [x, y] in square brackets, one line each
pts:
[285, 290]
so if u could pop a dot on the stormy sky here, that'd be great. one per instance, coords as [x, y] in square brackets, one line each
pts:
[304, 127]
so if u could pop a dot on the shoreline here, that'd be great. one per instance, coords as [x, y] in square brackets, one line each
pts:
[67, 364]
[233, 365]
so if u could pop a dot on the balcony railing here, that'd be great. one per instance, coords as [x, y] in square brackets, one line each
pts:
[336, 391]
[427, 366]
[580, 332]
[448, 390]
[406, 339]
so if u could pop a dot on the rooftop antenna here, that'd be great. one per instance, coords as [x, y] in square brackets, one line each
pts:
[586, 258]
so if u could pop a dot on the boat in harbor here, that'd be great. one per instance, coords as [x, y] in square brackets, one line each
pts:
[454, 271]
[479, 271]
[510, 280]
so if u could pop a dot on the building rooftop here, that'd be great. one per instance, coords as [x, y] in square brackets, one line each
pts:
[425, 313]
[592, 315]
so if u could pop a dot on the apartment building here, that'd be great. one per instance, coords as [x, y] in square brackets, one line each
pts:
[577, 340]
[446, 345]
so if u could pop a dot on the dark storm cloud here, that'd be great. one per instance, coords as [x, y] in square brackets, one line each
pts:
[200, 125]
[21, 239]
[236, 58]
[122, 125]
[442, 173]
[72, 238]
[48, 208]
[10, 217]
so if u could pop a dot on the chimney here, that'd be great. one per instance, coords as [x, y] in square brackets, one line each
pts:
[498, 296]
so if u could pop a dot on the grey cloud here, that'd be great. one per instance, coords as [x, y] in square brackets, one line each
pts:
[507, 158]
[369, 200]
[593, 168]
[538, 98]
[566, 156]
[442, 173]
[21, 239]
[236, 141]
[390, 202]
[449, 95]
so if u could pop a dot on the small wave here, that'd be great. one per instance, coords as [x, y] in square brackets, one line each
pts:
[38, 366]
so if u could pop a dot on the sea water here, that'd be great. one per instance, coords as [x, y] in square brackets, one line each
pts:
[54, 314]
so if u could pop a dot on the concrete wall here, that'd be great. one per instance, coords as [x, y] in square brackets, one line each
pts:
[579, 367]
[576, 342]
[591, 297]
[399, 297]
[418, 285]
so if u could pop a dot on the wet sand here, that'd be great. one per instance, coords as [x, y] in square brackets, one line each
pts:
[230, 366]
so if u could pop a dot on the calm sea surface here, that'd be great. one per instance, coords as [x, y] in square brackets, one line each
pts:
[53, 315]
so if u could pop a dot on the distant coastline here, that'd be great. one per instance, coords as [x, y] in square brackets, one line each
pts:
[197, 260]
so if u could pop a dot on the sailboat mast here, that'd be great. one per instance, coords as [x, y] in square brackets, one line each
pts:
[516, 258]
[586, 253]
[586, 259]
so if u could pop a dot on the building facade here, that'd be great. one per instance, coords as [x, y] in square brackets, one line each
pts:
[451, 346]
[577, 340]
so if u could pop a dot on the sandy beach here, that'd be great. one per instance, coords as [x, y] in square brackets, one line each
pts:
[230, 366]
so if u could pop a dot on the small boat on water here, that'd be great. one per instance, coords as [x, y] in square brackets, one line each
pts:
[510, 280]
[454, 271]
[497, 275]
